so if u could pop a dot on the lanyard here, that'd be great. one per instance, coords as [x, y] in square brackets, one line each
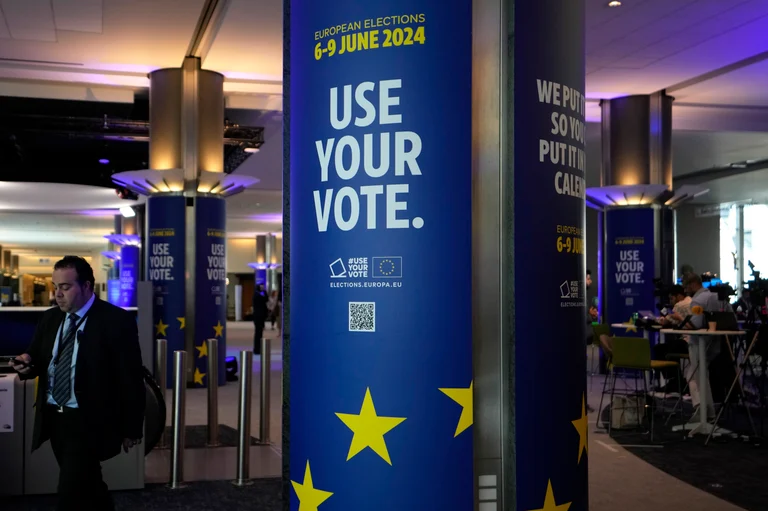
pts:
[60, 334]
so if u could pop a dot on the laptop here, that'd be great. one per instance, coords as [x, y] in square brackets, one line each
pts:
[646, 314]
[726, 321]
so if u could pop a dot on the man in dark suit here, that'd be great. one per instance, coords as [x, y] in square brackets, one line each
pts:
[91, 396]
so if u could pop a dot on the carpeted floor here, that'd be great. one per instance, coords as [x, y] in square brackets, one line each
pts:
[197, 436]
[732, 469]
[262, 495]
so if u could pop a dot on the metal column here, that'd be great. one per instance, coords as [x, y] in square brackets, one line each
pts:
[492, 245]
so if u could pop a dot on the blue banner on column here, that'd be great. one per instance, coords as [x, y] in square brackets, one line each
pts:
[165, 269]
[630, 259]
[129, 271]
[381, 337]
[550, 266]
[211, 284]
[113, 291]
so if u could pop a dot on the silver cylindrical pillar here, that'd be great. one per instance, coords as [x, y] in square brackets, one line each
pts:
[213, 392]
[264, 391]
[161, 377]
[178, 420]
[244, 419]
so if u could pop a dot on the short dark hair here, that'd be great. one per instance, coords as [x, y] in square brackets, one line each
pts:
[81, 267]
[676, 290]
[693, 279]
[589, 272]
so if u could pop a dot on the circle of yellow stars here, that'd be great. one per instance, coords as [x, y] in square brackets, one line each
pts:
[389, 270]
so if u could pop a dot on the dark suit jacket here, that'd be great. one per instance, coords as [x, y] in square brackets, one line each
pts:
[109, 384]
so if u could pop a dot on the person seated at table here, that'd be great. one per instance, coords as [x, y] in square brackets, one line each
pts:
[702, 302]
[681, 308]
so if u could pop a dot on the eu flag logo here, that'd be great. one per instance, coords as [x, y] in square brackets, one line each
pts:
[390, 267]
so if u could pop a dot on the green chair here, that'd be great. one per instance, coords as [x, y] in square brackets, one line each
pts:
[634, 354]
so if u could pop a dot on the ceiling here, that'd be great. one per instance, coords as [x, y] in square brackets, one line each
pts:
[711, 55]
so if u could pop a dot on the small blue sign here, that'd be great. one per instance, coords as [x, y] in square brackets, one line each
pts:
[129, 270]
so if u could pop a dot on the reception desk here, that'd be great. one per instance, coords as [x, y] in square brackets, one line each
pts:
[29, 473]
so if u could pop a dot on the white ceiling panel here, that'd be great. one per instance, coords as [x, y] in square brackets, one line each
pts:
[78, 15]
[29, 20]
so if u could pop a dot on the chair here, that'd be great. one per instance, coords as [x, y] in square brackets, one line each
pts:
[634, 354]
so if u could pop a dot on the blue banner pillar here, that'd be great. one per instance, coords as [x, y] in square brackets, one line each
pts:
[630, 263]
[210, 285]
[166, 236]
[393, 188]
[380, 250]
[129, 273]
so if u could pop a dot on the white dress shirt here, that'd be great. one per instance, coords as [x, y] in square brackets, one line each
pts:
[72, 403]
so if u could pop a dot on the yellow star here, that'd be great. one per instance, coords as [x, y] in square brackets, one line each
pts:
[160, 328]
[309, 496]
[631, 325]
[203, 349]
[464, 398]
[369, 429]
[199, 376]
[182, 323]
[549, 501]
[582, 425]
[218, 329]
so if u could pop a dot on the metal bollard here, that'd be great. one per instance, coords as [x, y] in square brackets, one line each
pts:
[266, 359]
[178, 420]
[161, 377]
[244, 420]
[213, 392]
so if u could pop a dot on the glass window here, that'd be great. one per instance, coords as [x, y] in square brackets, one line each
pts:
[756, 239]
[729, 242]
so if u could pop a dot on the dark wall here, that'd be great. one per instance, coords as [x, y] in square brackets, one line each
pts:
[698, 241]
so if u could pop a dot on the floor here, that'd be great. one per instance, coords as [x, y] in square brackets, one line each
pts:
[618, 478]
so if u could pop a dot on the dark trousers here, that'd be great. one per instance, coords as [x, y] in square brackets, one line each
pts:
[258, 325]
[80, 483]
[673, 375]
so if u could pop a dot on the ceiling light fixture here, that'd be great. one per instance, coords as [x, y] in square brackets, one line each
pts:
[614, 3]
[104, 161]
[127, 212]
[251, 149]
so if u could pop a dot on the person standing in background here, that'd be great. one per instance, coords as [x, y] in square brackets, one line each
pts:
[91, 394]
[260, 313]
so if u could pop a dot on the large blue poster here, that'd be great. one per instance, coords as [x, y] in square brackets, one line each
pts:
[211, 285]
[129, 270]
[630, 258]
[550, 266]
[380, 198]
[165, 269]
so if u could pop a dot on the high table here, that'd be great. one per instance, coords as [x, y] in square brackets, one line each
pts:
[703, 426]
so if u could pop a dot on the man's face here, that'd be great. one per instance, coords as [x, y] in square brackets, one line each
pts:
[589, 280]
[70, 296]
[673, 299]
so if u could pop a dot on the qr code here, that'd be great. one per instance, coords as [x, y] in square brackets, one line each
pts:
[362, 317]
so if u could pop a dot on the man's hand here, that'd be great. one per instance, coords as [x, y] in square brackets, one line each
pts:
[128, 443]
[21, 364]
[593, 313]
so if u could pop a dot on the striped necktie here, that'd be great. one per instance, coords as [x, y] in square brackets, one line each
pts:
[62, 373]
